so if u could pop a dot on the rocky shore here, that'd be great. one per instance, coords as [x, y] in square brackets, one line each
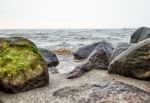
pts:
[105, 73]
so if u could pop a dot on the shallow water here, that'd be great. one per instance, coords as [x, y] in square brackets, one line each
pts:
[69, 39]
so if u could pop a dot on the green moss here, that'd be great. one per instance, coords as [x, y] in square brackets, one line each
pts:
[3, 44]
[19, 61]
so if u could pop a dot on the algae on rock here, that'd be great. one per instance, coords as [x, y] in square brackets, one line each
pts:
[20, 61]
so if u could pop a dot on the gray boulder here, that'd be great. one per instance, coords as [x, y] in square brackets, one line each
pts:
[98, 59]
[85, 51]
[119, 49]
[103, 92]
[50, 57]
[134, 62]
[140, 34]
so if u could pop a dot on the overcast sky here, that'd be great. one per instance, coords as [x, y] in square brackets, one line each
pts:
[74, 13]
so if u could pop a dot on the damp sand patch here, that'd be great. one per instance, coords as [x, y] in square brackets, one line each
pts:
[62, 51]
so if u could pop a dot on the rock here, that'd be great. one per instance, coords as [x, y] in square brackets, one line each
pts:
[1, 101]
[77, 72]
[98, 59]
[49, 57]
[103, 92]
[140, 34]
[22, 67]
[134, 62]
[119, 49]
[85, 51]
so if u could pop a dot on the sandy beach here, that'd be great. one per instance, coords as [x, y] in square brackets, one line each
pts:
[44, 95]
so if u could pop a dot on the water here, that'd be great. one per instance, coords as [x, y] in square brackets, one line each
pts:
[69, 39]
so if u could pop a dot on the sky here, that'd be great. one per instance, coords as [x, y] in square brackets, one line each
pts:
[41, 14]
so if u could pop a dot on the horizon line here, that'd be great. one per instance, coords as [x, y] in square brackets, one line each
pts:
[64, 28]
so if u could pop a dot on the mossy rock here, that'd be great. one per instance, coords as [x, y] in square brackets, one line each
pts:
[21, 65]
[133, 62]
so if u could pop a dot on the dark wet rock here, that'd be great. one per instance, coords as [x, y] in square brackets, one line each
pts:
[134, 62]
[85, 51]
[98, 59]
[22, 67]
[49, 57]
[1, 101]
[140, 34]
[103, 92]
[119, 49]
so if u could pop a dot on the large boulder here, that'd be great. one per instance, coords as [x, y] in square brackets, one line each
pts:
[102, 92]
[85, 51]
[140, 34]
[119, 49]
[134, 62]
[98, 59]
[22, 67]
[50, 57]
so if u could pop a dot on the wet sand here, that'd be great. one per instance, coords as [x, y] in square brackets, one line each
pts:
[62, 51]
[44, 95]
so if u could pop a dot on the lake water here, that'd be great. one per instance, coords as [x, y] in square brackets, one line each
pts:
[70, 39]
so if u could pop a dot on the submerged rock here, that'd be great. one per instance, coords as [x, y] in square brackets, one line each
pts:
[103, 92]
[49, 57]
[140, 34]
[22, 67]
[85, 51]
[119, 49]
[98, 59]
[134, 62]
